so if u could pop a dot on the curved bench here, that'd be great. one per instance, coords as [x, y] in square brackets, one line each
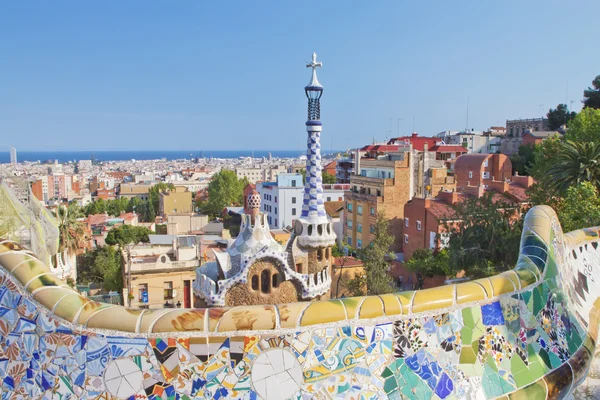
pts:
[530, 331]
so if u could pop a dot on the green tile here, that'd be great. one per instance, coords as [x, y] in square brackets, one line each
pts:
[492, 386]
[544, 356]
[467, 355]
[491, 363]
[390, 385]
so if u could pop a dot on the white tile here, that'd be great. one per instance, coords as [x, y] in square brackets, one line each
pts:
[297, 375]
[261, 371]
[276, 358]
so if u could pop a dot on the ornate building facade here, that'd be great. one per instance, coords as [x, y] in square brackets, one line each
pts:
[255, 269]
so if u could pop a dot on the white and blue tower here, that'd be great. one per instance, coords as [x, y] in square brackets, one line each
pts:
[314, 230]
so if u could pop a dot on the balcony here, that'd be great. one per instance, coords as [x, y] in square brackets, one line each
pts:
[144, 267]
[360, 180]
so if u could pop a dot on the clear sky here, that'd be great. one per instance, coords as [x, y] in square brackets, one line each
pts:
[176, 75]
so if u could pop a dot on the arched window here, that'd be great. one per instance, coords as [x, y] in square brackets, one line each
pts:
[254, 282]
[275, 279]
[265, 281]
[320, 255]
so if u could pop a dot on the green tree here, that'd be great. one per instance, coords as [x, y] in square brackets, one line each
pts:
[328, 178]
[486, 240]
[376, 259]
[559, 116]
[225, 189]
[71, 232]
[428, 263]
[592, 94]
[150, 211]
[523, 160]
[108, 265]
[577, 162]
[544, 156]
[126, 234]
[580, 207]
[112, 208]
[585, 127]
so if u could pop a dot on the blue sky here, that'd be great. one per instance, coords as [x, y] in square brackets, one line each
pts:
[201, 75]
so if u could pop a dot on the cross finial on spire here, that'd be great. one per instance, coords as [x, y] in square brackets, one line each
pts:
[314, 64]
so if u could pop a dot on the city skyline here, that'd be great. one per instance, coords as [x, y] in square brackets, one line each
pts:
[147, 77]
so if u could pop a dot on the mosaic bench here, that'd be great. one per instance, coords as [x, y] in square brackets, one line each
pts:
[525, 333]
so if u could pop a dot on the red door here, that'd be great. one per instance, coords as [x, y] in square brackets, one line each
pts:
[186, 295]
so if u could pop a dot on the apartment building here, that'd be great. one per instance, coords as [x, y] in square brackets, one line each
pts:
[130, 190]
[283, 198]
[263, 173]
[426, 219]
[175, 201]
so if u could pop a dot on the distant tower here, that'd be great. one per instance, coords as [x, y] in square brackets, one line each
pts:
[13, 155]
[314, 229]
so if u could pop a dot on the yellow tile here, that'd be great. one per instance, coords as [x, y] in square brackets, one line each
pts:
[214, 316]
[179, 320]
[405, 298]
[321, 312]
[149, 316]
[391, 304]
[10, 260]
[116, 318]
[469, 291]
[513, 277]
[48, 297]
[290, 313]
[526, 276]
[248, 318]
[487, 286]
[430, 299]
[501, 285]
[32, 268]
[69, 306]
[90, 308]
[372, 307]
[351, 304]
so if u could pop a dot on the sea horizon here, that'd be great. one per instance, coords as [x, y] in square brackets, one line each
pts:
[65, 156]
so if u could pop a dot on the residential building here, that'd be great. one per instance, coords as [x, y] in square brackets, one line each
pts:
[330, 168]
[481, 170]
[531, 138]
[426, 219]
[283, 198]
[475, 142]
[345, 166]
[385, 183]
[175, 201]
[418, 142]
[262, 173]
[161, 273]
[13, 155]
[185, 223]
[106, 194]
[129, 190]
[515, 129]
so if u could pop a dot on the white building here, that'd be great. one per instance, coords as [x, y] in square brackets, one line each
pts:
[282, 199]
[13, 155]
[476, 142]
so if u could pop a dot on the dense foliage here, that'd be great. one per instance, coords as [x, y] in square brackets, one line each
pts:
[559, 116]
[102, 265]
[224, 189]
[428, 263]
[592, 94]
[126, 234]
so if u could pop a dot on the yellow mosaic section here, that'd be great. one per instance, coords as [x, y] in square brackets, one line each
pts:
[65, 302]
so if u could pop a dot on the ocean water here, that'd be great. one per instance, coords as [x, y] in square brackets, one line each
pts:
[66, 156]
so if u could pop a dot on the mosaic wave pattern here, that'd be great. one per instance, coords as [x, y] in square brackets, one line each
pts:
[526, 333]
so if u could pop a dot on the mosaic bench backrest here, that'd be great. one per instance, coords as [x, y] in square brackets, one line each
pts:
[527, 332]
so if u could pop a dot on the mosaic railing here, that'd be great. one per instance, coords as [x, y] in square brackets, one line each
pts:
[527, 333]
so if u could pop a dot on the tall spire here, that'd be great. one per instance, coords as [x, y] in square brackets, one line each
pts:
[314, 228]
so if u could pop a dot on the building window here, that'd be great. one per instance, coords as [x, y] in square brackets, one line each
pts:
[485, 163]
[378, 192]
[349, 241]
[349, 207]
[405, 238]
[372, 228]
[418, 225]
[372, 211]
[470, 174]
[358, 227]
[276, 222]
[275, 280]
[299, 268]
[328, 198]
[265, 281]
[293, 200]
[349, 224]
[359, 244]
[293, 183]
[359, 210]
[293, 211]
[254, 282]
[168, 290]
[275, 210]
[406, 222]
[486, 175]
[275, 199]
[320, 255]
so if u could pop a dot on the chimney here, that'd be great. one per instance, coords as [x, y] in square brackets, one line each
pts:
[448, 197]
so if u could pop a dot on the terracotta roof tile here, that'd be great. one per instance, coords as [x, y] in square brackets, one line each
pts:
[347, 261]
[333, 208]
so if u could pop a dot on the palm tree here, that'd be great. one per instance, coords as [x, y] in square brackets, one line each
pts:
[576, 162]
[71, 233]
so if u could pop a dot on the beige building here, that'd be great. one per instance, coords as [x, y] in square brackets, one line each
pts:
[260, 174]
[184, 224]
[175, 202]
[129, 190]
[161, 273]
